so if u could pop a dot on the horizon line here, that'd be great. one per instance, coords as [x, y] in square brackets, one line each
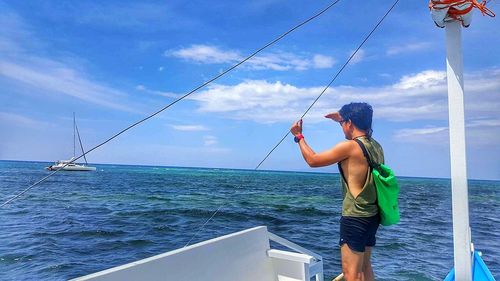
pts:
[239, 169]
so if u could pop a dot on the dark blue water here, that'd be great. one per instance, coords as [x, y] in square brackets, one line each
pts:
[79, 223]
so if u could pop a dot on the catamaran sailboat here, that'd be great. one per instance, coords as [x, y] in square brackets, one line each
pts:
[69, 165]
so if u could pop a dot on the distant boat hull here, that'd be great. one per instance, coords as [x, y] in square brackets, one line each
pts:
[71, 167]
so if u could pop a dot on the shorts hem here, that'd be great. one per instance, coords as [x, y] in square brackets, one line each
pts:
[351, 247]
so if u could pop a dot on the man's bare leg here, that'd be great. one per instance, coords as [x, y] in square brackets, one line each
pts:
[367, 265]
[352, 264]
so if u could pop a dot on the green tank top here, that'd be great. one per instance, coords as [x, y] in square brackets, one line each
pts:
[365, 204]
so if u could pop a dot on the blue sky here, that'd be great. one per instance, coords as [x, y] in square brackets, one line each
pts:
[114, 62]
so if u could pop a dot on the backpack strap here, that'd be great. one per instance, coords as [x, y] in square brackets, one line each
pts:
[372, 164]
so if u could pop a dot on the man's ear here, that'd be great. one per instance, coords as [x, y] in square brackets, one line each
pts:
[351, 125]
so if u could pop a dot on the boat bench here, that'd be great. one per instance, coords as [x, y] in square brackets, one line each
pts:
[240, 256]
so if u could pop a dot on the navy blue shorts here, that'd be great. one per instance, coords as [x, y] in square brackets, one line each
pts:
[358, 232]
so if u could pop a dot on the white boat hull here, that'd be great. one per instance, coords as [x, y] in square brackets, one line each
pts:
[71, 167]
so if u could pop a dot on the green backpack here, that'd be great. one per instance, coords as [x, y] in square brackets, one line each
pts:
[387, 190]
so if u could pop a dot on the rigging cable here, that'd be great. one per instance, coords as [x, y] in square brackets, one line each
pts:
[81, 145]
[309, 108]
[179, 99]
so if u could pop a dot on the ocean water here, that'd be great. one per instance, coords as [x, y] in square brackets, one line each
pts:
[79, 223]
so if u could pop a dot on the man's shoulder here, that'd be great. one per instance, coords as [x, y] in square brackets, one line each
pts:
[348, 147]
[352, 147]
[372, 141]
[376, 143]
[347, 144]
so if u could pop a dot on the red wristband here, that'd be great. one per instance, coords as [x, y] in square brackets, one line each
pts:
[298, 138]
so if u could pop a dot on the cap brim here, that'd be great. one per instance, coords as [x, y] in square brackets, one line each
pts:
[335, 116]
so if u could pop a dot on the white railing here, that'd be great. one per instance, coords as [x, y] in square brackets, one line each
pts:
[240, 256]
[313, 263]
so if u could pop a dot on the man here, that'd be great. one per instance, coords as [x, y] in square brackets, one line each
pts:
[360, 216]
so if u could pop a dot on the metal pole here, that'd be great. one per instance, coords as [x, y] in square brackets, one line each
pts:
[460, 203]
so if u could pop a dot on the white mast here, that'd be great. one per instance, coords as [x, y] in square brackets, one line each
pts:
[461, 230]
[74, 136]
[453, 14]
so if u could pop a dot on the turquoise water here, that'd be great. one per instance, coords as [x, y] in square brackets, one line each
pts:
[78, 223]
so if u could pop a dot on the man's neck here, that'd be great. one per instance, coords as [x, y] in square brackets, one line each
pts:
[358, 134]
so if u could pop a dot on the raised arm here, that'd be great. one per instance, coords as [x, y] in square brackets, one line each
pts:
[331, 156]
[328, 157]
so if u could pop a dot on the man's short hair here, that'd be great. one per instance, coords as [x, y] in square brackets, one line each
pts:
[360, 114]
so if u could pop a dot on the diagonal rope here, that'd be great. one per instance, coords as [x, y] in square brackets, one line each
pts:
[333, 80]
[202, 226]
[179, 99]
[309, 108]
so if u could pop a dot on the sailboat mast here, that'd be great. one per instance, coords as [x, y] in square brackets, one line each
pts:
[460, 203]
[74, 136]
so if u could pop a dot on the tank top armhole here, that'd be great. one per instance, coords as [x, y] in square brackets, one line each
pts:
[341, 172]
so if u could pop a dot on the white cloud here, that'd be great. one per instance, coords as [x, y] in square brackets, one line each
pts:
[322, 61]
[424, 79]
[256, 100]
[358, 57]
[408, 48]
[210, 140]
[421, 96]
[279, 61]
[205, 54]
[190, 128]
[161, 68]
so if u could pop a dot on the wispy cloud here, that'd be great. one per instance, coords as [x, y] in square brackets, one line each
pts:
[143, 88]
[190, 128]
[210, 140]
[485, 123]
[125, 15]
[279, 61]
[478, 132]
[408, 48]
[13, 30]
[14, 119]
[358, 57]
[405, 134]
[134, 16]
[49, 76]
